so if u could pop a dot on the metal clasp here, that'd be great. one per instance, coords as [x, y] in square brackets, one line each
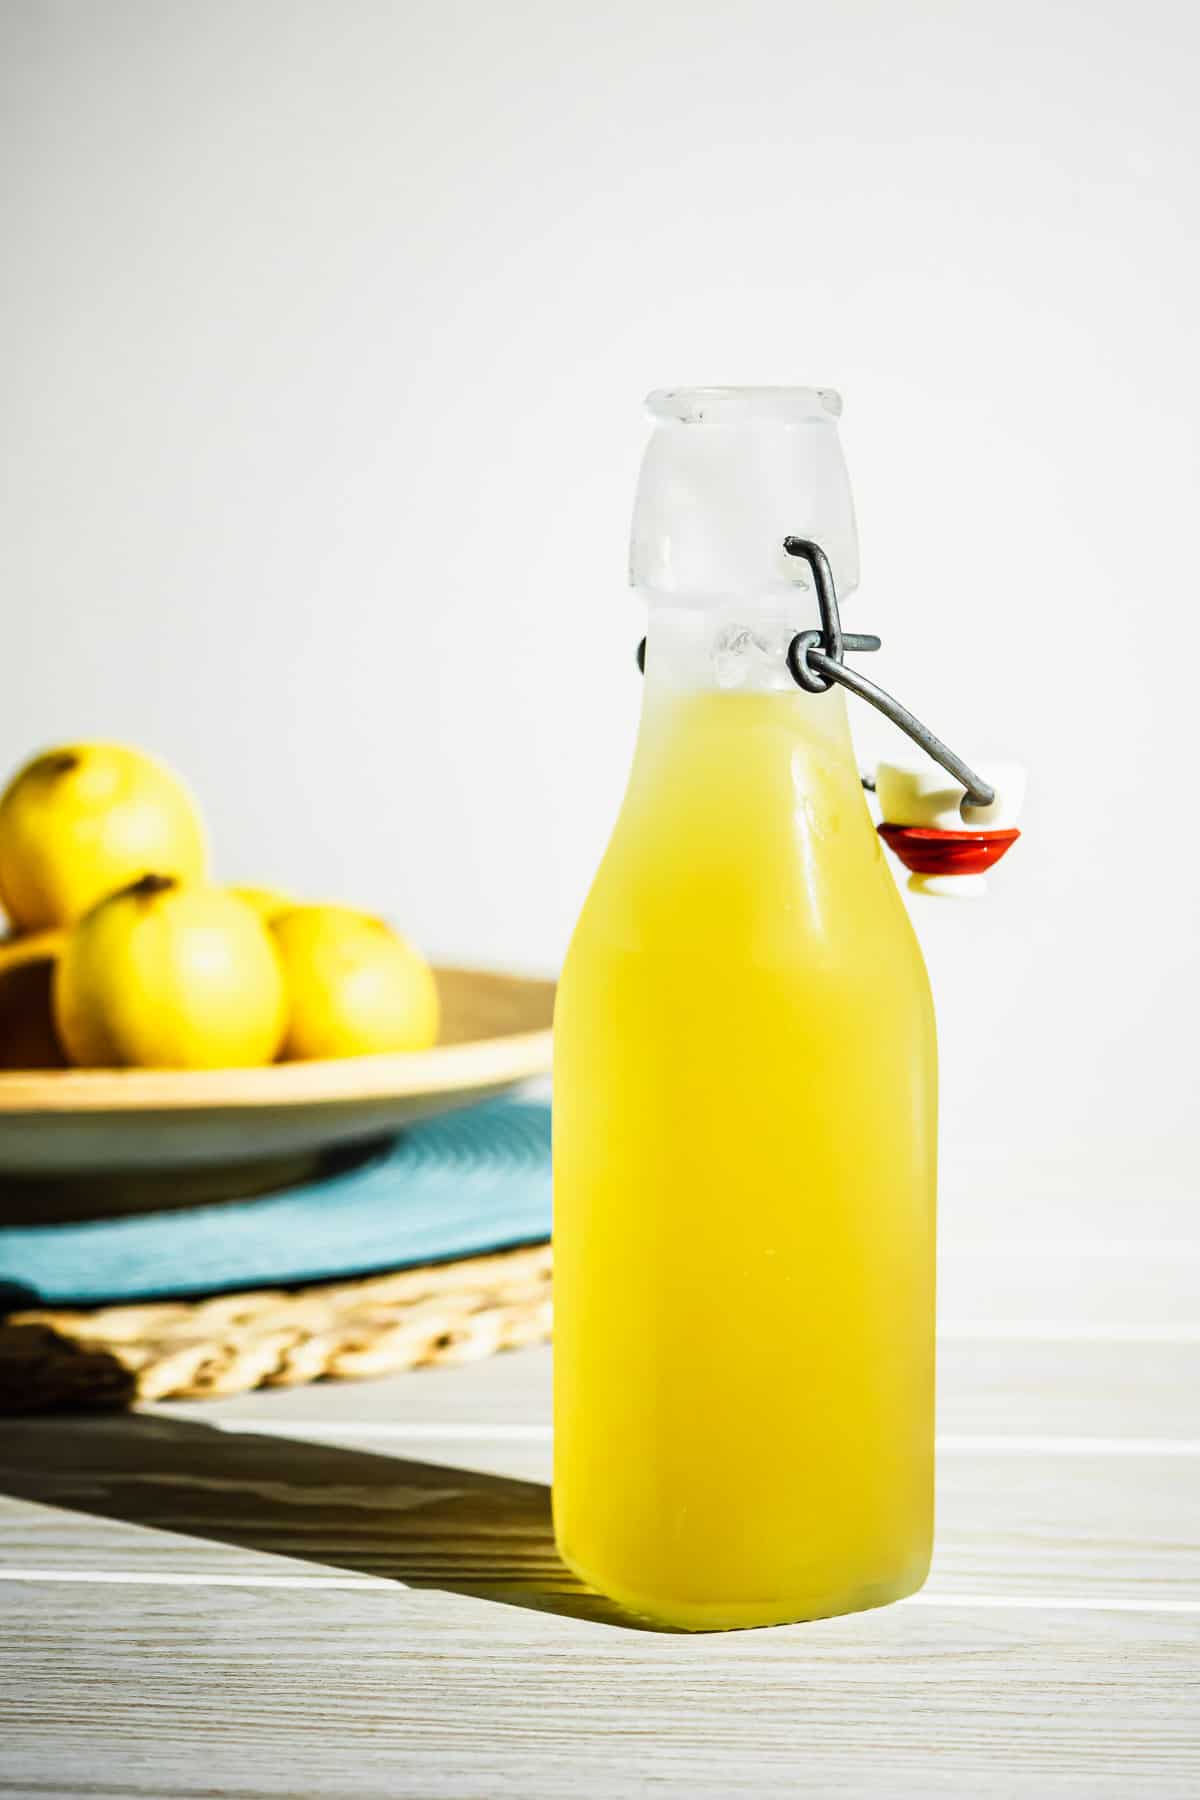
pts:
[815, 661]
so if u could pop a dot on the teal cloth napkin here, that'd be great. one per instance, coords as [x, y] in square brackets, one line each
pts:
[458, 1185]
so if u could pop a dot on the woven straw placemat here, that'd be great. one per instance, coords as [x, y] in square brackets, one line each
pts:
[117, 1355]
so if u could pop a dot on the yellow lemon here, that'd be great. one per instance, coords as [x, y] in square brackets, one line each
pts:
[79, 822]
[354, 985]
[162, 975]
[268, 903]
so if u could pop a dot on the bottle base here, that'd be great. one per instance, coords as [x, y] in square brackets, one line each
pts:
[751, 1615]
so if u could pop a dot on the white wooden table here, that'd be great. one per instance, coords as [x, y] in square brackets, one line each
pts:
[352, 1590]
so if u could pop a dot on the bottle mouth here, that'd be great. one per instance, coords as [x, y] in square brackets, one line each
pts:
[744, 405]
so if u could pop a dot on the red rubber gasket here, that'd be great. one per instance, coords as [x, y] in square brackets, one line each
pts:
[927, 852]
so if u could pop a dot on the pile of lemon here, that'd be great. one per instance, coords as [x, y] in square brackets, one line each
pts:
[152, 965]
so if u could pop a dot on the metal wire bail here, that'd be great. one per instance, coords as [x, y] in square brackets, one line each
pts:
[815, 660]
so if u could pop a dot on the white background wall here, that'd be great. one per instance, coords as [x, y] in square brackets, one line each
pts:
[325, 331]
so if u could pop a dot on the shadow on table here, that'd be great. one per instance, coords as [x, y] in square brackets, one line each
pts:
[418, 1523]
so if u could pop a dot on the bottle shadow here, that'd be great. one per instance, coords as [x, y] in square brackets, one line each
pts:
[421, 1524]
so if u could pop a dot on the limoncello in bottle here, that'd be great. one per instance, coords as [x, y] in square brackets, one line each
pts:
[744, 1087]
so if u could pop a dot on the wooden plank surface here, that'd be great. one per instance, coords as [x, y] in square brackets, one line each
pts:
[351, 1590]
[1010, 1386]
[1078, 1522]
[393, 1694]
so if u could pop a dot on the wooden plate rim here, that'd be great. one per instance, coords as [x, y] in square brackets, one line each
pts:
[478, 1063]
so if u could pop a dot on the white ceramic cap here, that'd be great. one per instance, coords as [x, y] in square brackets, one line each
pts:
[924, 795]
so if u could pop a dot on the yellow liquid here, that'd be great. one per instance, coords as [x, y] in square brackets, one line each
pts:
[744, 1124]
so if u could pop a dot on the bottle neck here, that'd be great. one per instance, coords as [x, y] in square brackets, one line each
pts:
[721, 712]
[738, 648]
[744, 804]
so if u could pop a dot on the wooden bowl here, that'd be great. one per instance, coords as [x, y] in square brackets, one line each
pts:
[147, 1131]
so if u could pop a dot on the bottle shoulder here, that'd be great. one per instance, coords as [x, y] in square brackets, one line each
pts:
[803, 889]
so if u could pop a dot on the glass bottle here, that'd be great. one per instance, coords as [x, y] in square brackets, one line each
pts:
[744, 1087]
